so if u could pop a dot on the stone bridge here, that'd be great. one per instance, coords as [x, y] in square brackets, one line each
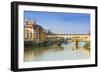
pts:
[71, 37]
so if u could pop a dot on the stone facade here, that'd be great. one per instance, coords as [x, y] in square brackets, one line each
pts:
[33, 32]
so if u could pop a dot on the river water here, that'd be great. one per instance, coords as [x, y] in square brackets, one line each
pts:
[65, 52]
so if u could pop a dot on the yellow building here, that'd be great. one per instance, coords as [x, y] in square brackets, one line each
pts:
[33, 32]
[43, 35]
[40, 34]
[28, 31]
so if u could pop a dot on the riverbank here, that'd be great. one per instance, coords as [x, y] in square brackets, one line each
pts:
[42, 43]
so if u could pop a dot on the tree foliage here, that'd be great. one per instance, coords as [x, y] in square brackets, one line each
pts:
[87, 46]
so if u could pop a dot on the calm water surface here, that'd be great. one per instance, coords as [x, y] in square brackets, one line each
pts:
[65, 52]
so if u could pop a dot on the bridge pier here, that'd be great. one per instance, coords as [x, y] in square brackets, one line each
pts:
[76, 42]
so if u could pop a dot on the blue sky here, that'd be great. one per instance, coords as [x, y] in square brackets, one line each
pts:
[61, 23]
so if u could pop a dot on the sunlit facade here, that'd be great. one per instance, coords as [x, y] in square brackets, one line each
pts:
[33, 32]
[28, 31]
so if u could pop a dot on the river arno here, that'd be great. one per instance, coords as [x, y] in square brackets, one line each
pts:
[65, 52]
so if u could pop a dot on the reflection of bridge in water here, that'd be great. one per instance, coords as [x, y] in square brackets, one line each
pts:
[73, 38]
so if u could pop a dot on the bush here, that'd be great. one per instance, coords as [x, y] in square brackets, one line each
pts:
[87, 46]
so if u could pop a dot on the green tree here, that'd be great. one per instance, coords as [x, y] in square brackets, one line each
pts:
[87, 46]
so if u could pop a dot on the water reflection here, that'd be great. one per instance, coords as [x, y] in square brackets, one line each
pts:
[63, 52]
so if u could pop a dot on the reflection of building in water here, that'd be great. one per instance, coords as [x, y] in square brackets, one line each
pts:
[31, 54]
[33, 32]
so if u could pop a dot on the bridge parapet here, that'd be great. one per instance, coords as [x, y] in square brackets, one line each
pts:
[80, 37]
